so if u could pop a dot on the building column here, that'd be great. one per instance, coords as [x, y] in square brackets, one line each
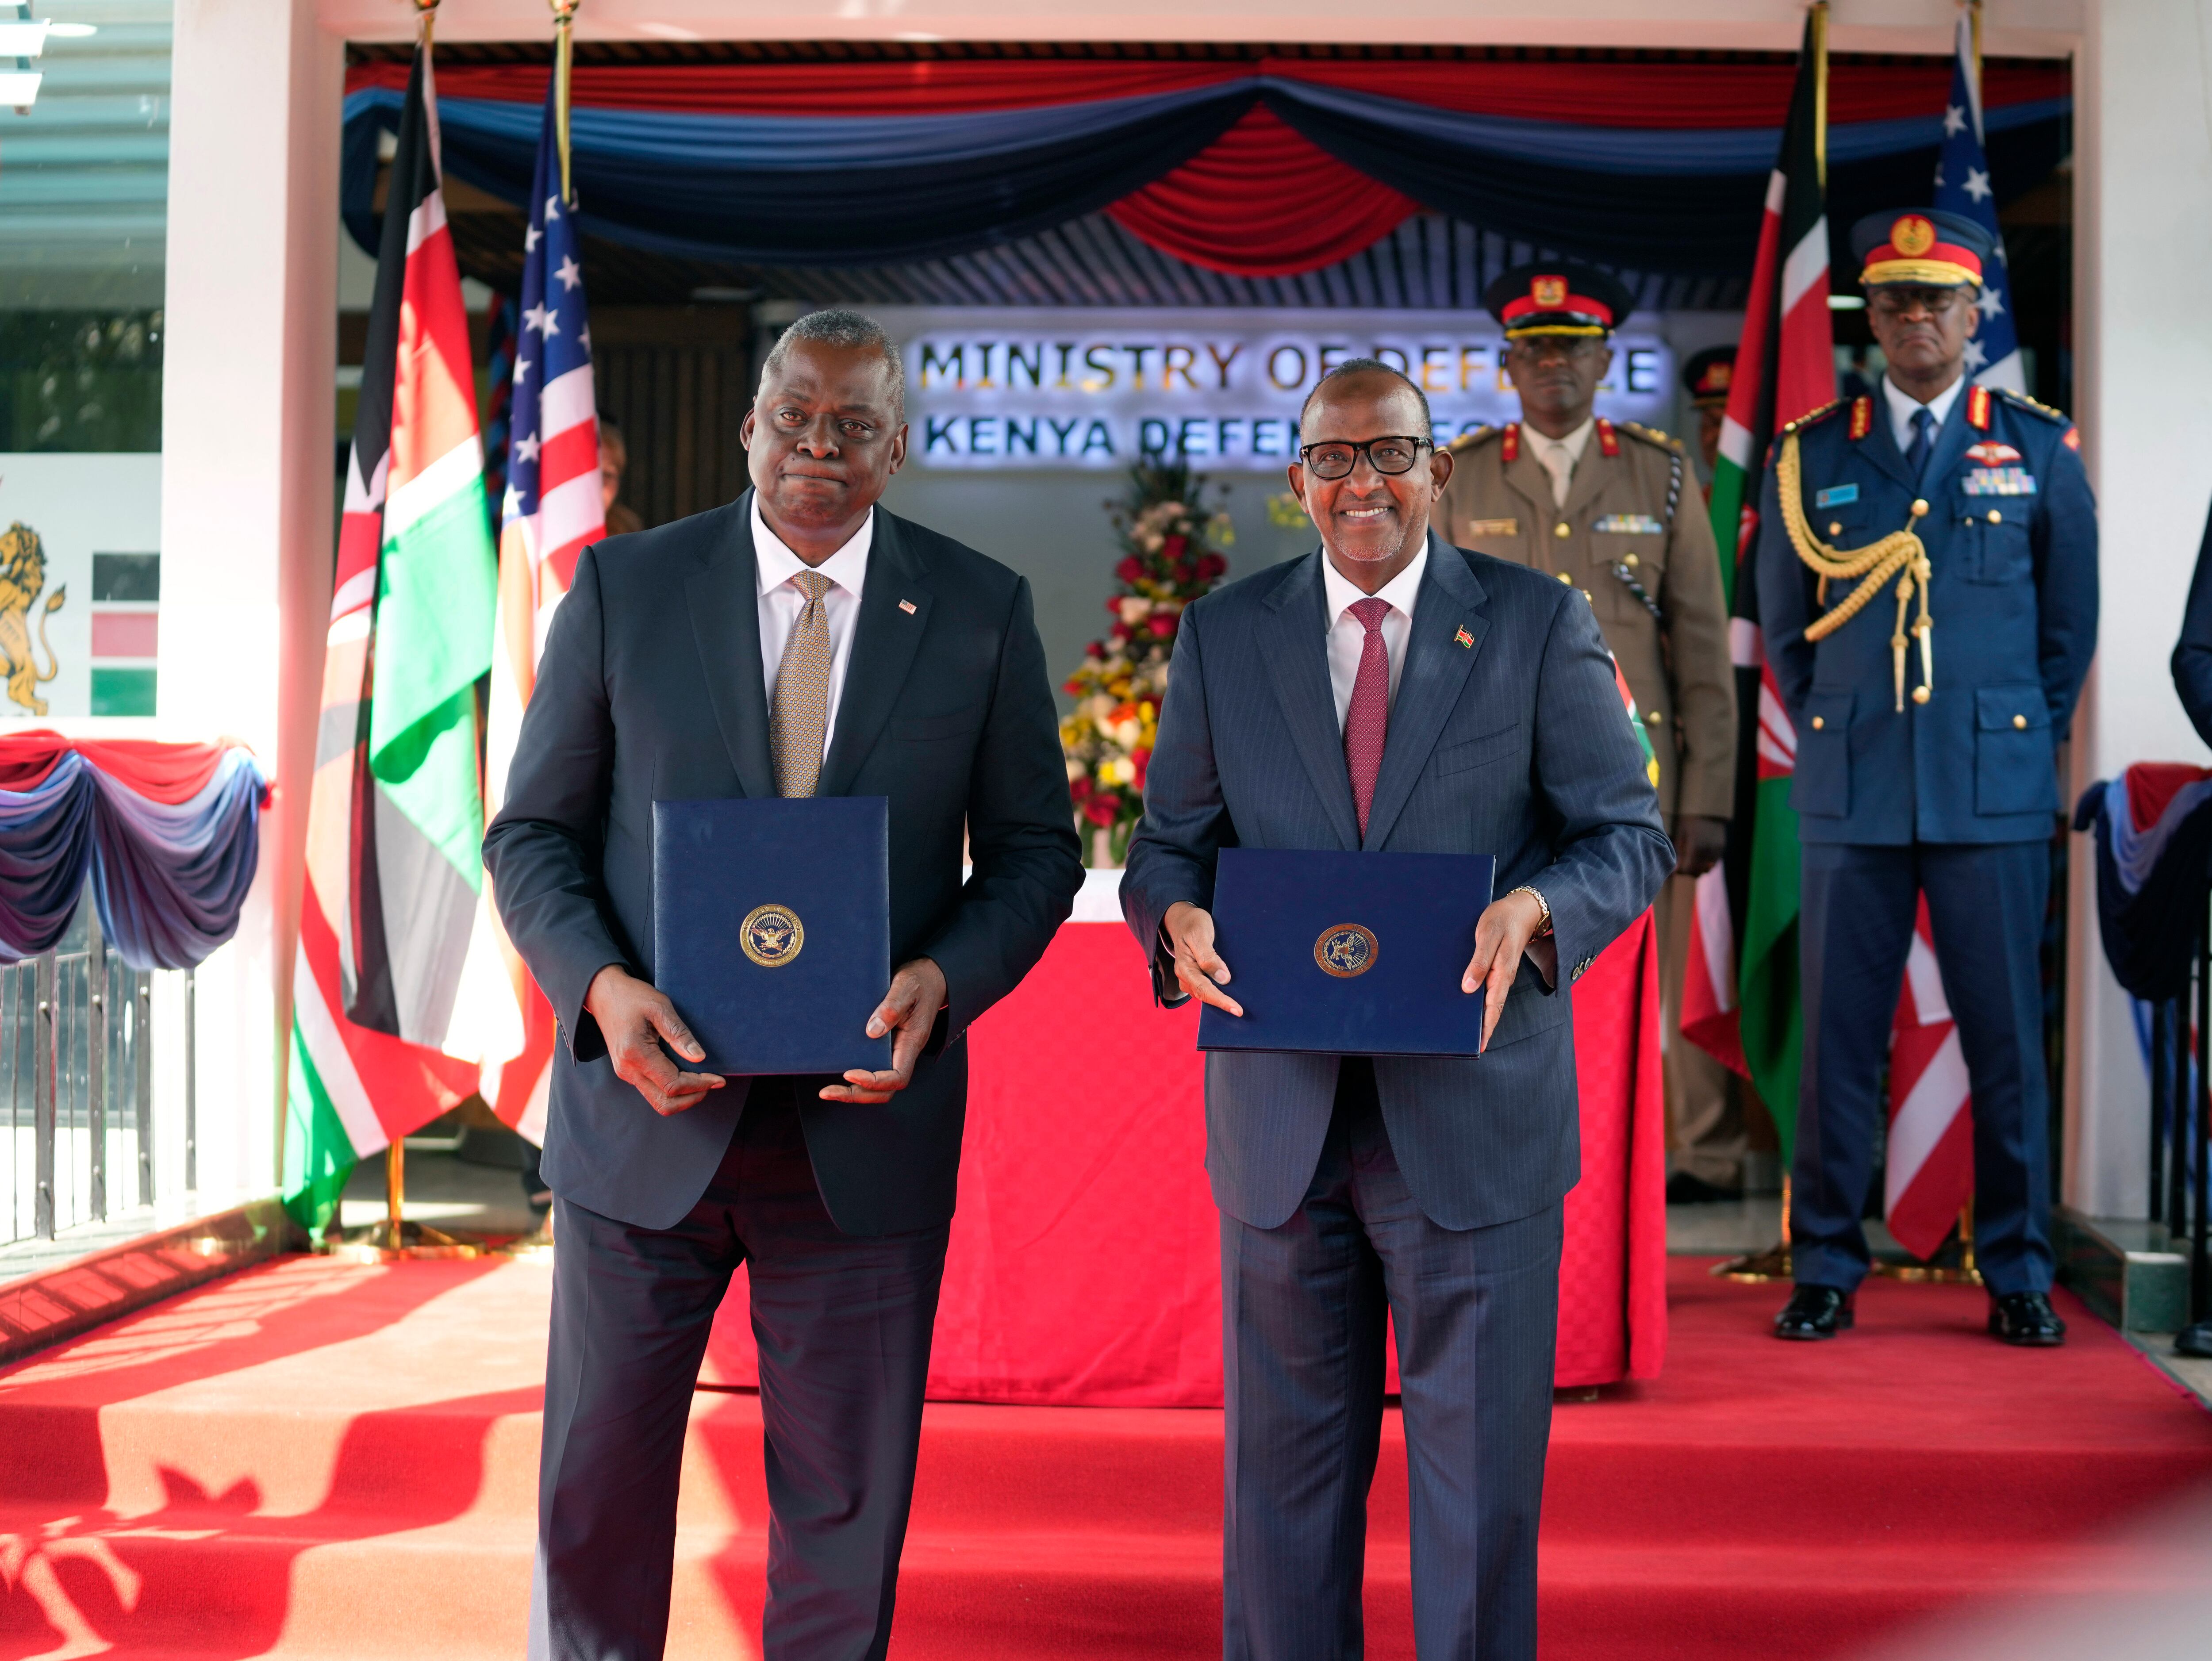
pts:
[2143, 232]
[247, 436]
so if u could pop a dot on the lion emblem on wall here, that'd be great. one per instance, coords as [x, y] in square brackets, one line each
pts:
[22, 576]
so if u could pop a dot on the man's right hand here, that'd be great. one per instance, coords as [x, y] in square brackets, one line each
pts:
[1199, 968]
[641, 1029]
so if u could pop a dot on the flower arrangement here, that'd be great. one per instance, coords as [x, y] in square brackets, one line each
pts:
[1170, 556]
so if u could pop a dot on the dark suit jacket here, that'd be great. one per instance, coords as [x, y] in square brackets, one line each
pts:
[651, 690]
[2014, 598]
[1516, 746]
[2192, 653]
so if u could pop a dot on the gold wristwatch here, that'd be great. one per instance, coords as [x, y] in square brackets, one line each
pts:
[1544, 924]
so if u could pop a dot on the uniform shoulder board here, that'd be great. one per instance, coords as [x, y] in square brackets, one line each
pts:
[1813, 415]
[2021, 401]
[1469, 441]
[1650, 435]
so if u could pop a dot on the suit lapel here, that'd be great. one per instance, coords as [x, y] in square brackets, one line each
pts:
[1294, 631]
[1588, 481]
[724, 599]
[1880, 446]
[1451, 600]
[1950, 448]
[886, 638]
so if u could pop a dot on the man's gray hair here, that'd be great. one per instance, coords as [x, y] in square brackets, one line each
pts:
[1352, 366]
[849, 329]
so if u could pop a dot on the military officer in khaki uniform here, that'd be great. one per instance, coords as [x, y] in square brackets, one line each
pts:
[1613, 509]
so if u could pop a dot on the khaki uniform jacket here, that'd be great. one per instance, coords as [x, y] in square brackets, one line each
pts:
[1617, 513]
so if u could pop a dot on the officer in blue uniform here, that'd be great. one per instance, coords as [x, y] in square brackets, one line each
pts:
[1928, 589]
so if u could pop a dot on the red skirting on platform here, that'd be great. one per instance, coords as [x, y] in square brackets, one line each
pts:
[1084, 1267]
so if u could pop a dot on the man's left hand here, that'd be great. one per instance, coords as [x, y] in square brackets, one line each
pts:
[1699, 842]
[909, 1009]
[1502, 934]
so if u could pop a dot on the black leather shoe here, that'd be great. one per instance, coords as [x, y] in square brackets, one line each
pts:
[2195, 1341]
[1683, 1189]
[1815, 1312]
[2027, 1319]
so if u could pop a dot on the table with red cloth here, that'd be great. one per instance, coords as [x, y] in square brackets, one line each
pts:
[1085, 1265]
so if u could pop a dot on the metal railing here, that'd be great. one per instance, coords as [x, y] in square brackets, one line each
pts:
[2181, 1125]
[76, 1076]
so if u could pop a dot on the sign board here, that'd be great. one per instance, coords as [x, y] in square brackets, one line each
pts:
[1065, 388]
[80, 584]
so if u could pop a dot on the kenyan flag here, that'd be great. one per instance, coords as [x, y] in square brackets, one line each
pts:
[381, 1030]
[1785, 366]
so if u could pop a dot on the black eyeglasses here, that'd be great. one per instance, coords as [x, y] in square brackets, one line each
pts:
[1334, 460]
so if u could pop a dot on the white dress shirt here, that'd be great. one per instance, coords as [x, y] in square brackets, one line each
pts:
[781, 602]
[1901, 406]
[1558, 456]
[1347, 635]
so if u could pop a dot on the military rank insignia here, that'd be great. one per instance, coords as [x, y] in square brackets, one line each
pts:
[1978, 408]
[1629, 524]
[1862, 418]
[1609, 441]
[1991, 453]
[1998, 482]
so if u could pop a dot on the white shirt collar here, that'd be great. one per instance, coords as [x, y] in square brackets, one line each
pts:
[775, 563]
[1574, 444]
[1399, 591]
[1902, 405]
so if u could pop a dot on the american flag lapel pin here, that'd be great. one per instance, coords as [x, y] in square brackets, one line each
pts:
[907, 606]
[1463, 637]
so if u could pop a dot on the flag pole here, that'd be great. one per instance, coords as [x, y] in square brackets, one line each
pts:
[564, 57]
[1820, 20]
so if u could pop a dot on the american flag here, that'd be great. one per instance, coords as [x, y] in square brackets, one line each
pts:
[1962, 186]
[1928, 1170]
[552, 512]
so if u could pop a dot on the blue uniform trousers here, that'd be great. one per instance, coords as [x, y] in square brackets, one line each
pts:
[1986, 907]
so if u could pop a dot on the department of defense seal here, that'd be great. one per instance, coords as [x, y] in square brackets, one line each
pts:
[1345, 950]
[772, 935]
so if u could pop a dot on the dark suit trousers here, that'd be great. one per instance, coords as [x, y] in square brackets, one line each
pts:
[1986, 907]
[1476, 1313]
[843, 1326]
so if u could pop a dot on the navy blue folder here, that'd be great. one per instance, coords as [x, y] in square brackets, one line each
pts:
[1348, 954]
[772, 929]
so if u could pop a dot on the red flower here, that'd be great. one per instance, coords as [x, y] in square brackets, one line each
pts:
[1212, 566]
[1072, 687]
[1161, 624]
[1079, 788]
[1114, 603]
[1104, 808]
[1173, 547]
[1130, 569]
[1140, 759]
[1096, 649]
[1119, 630]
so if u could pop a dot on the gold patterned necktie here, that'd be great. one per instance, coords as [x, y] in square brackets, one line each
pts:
[801, 713]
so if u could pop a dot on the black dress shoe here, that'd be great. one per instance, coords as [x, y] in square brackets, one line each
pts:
[2027, 1319]
[1683, 1189]
[2195, 1341]
[1815, 1312]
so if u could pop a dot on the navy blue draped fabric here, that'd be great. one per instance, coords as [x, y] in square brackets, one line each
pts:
[169, 878]
[856, 190]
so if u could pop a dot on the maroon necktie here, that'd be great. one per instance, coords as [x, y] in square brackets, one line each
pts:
[1367, 722]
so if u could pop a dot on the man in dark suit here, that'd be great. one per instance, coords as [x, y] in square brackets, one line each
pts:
[1958, 520]
[800, 642]
[1391, 692]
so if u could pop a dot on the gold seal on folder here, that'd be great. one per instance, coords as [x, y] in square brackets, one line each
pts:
[772, 935]
[1345, 950]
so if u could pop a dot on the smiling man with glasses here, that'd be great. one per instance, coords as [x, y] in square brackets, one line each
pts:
[1611, 509]
[1392, 693]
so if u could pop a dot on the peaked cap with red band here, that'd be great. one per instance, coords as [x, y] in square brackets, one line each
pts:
[1557, 297]
[1926, 247]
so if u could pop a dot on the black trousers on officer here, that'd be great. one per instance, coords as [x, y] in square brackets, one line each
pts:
[843, 1326]
[1985, 908]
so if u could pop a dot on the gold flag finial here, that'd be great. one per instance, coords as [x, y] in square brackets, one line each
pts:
[564, 19]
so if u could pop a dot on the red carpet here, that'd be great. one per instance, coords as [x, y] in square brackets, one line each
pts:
[312, 1460]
